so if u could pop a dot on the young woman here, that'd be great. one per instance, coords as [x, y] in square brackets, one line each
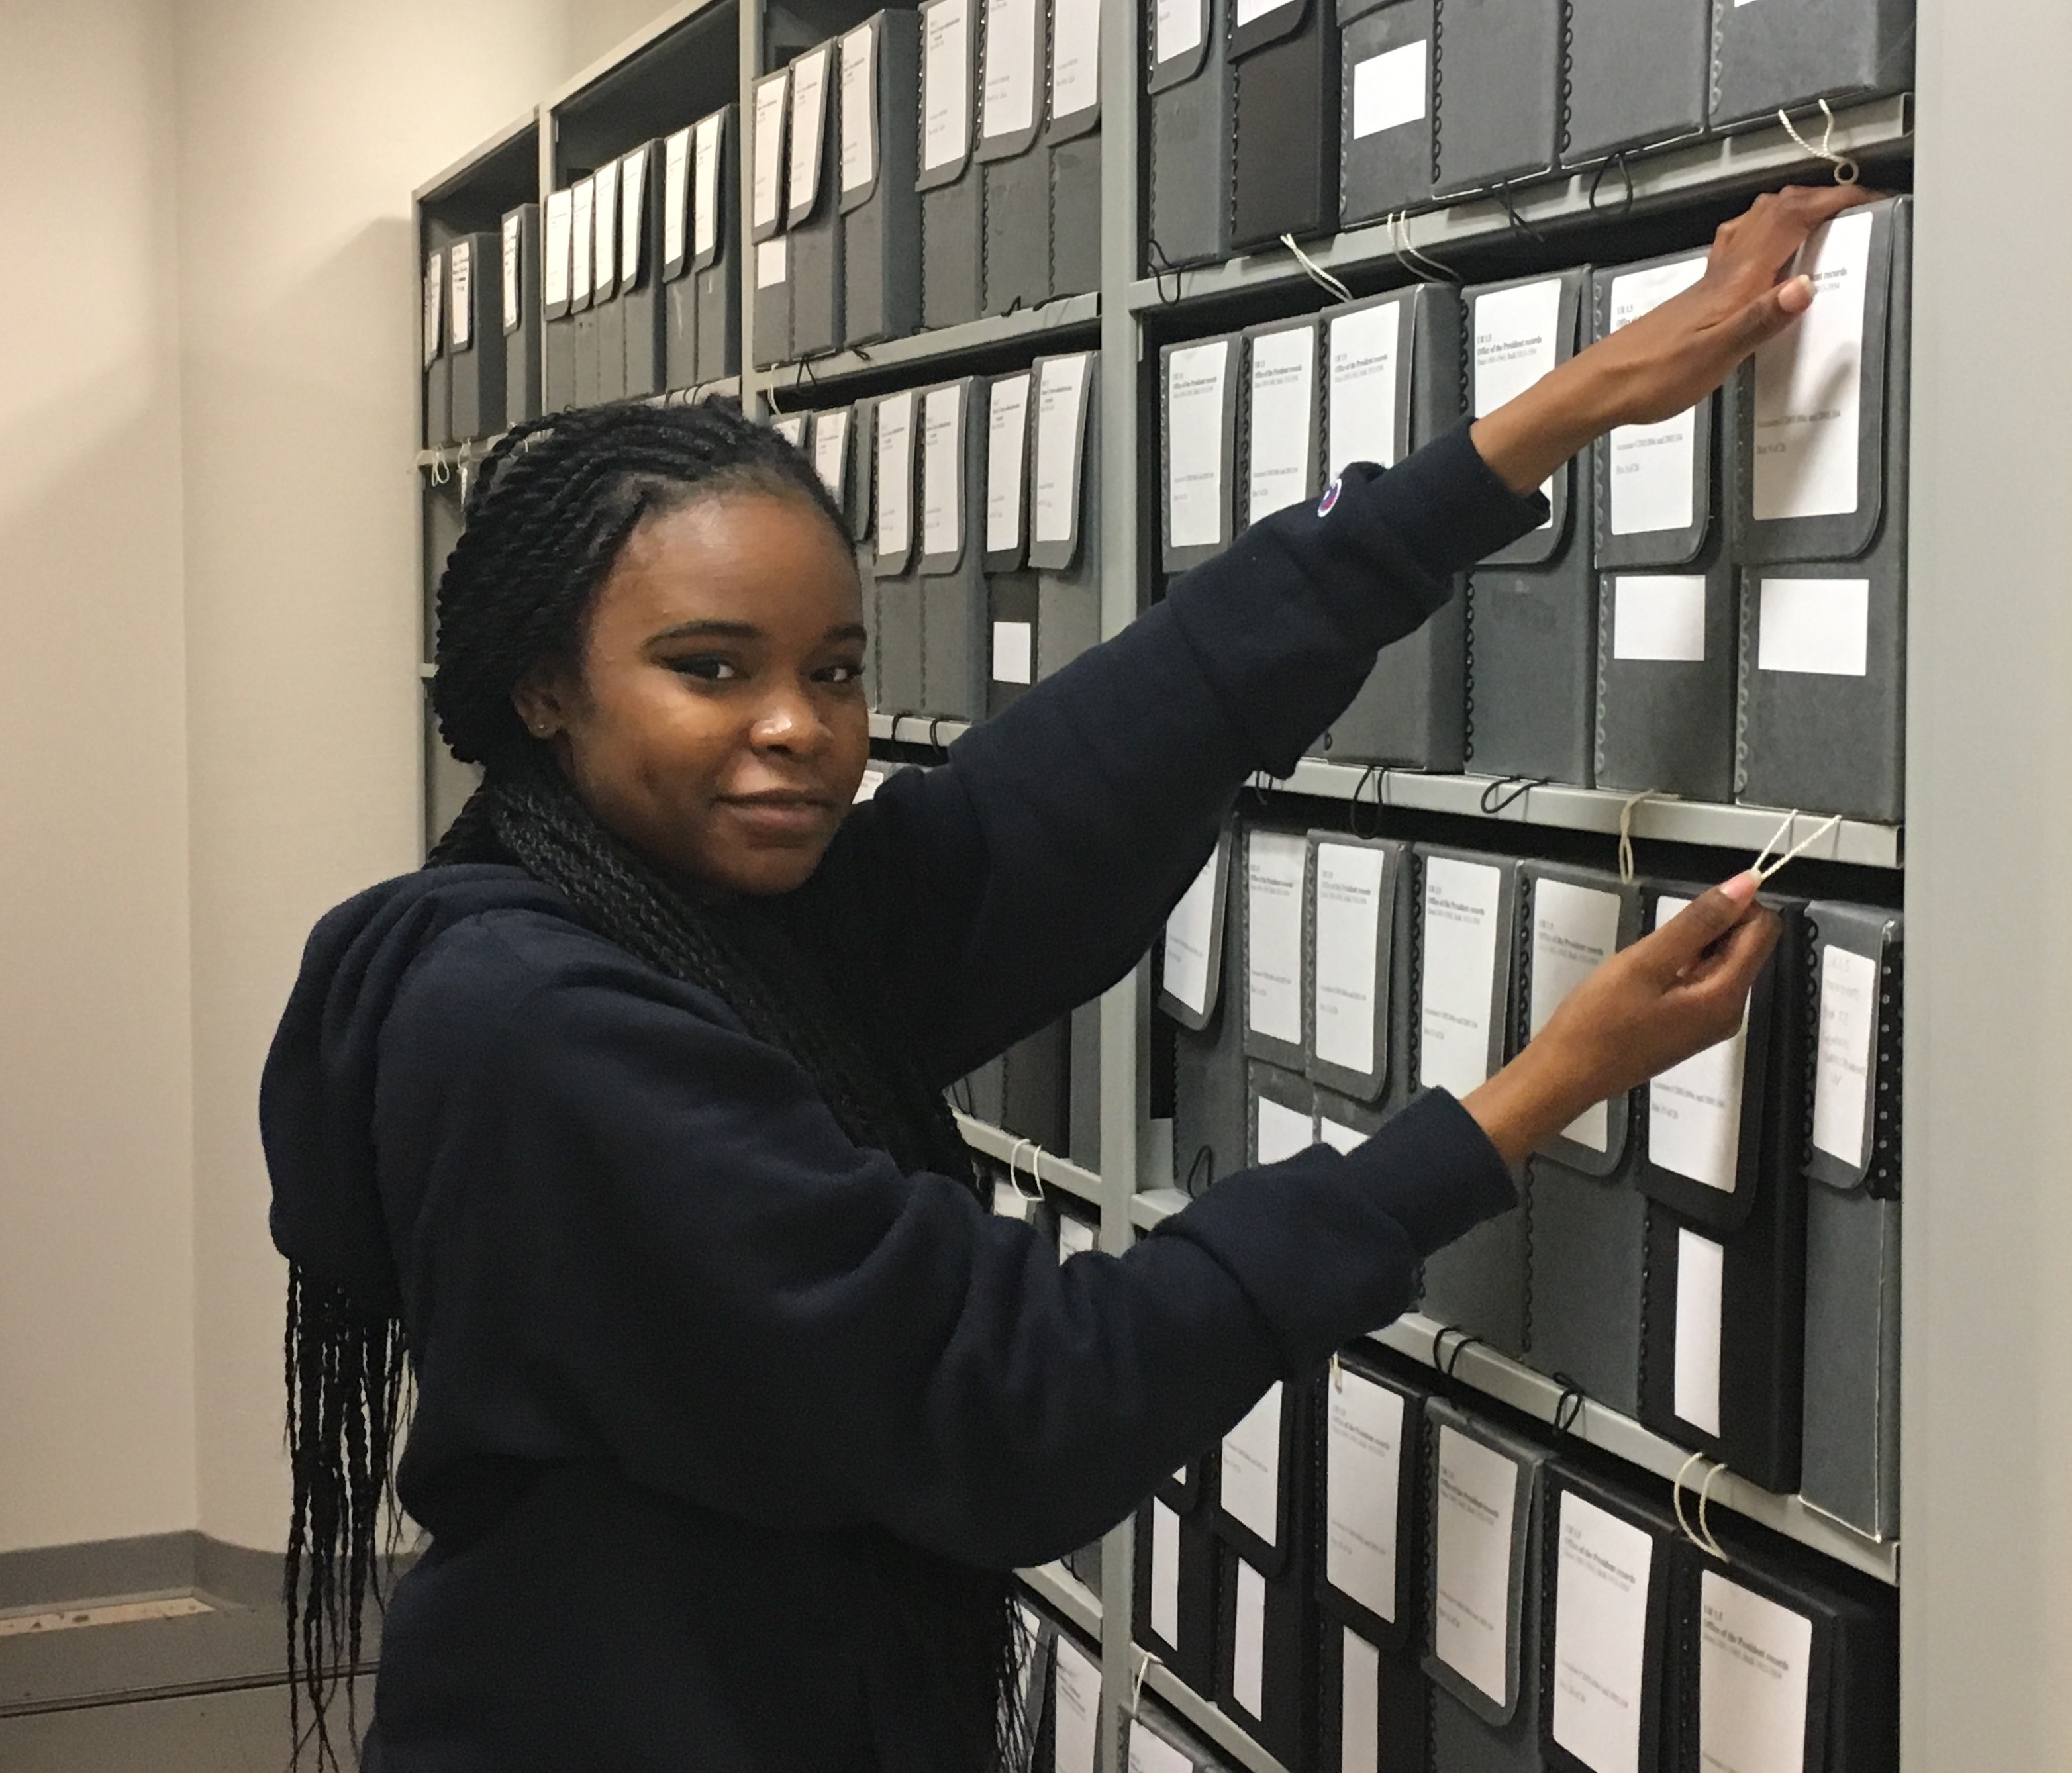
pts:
[624, 1116]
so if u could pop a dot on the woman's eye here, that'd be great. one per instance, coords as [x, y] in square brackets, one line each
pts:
[707, 668]
[848, 671]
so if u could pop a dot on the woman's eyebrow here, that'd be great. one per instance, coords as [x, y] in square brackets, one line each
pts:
[849, 631]
[712, 631]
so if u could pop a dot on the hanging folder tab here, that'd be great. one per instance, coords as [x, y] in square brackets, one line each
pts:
[880, 72]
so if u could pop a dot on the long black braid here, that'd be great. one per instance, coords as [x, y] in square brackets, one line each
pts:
[555, 502]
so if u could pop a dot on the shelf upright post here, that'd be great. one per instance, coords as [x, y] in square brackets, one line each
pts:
[1125, 1009]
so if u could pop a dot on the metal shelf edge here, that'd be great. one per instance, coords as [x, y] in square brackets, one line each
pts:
[1206, 1719]
[946, 344]
[1154, 1206]
[1669, 174]
[1064, 1593]
[1024, 1154]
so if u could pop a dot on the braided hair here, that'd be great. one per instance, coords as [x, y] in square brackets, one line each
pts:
[555, 502]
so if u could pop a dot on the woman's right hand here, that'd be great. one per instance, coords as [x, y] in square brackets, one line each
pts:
[1672, 994]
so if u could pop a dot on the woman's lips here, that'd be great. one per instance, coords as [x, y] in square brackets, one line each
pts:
[779, 815]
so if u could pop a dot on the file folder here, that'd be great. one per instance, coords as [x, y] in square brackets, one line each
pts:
[557, 305]
[520, 302]
[1174, 1607]
[769, 246]
[881, 208]
[1849, 1466]
[1498, 115]
[1064, 509]
[1358, 930]
[1822, 498]
[1781, 1658]
[1198, 385]
[951, 184]
[1589, 1223]
[1766, 60]
[1371, 1487]
[896, 527]
[1384, 108]
[1392, 383]
[437, 369]
[1532, 606]
[812, 217]
[582, 292]
[1277, 991]
[1267, 1636]
[1637, 75]
[1197, 962]
[1724, 1361]
[1013, 164]
[1284, 110]
[671, 173]
[1011, 596]
[715, 151]
[474, 335]
[1073, 134]
[639, 274]
[1610, 1580]
[1484, 1495]
[1466, 924]
[1190, 93]
[607, 302]
[956, 639]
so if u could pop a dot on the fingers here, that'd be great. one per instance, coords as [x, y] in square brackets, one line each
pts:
[1778, 222]
[1668, 955]
[1769, 314]
[1719, 985]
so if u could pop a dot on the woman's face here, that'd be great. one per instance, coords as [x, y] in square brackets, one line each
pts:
[717, 717]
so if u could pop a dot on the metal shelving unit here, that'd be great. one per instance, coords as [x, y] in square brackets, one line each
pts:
[1057, 326]
[1025, 1156]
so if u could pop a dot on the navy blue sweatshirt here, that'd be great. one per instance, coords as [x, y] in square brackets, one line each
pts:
[687, 1358]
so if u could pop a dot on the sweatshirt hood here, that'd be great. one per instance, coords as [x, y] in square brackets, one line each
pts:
[316, 1095]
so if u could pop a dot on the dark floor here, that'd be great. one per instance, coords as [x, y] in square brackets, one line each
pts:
[243, 1732]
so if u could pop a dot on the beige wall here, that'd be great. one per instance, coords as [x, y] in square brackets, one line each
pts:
[208, 733]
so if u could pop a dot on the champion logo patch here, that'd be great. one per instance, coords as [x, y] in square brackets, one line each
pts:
[1330, 498]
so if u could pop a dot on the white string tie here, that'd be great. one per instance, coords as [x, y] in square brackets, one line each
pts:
[1316, 272]
[1847, 171]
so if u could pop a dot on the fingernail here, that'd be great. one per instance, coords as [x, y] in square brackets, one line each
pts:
[1743, 888]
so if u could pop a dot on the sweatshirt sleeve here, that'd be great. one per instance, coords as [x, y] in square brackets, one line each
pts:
[1032, 868]
[646, 1239]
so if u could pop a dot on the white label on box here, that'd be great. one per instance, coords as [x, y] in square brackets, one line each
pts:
[772, 258]
[1700, 1287]
[767, 184]
[1014, 652]
[1517, 341]
[1008, 1202]
[514, 247]
[1694, 1109]
[1250, 10]
[704, 217]
[1276, 867]
[1478, 1498]
[831, 449]
[1349, 909]
[1252, 1469]
[1359, 1709]
[582, 240]
[1188, 931]
[809, 91]
[859, 107]
[1361, 422]
[1008, 104]
[1147, 1754]
[791, 428]
[895, 473]
[1060, 401]
[1338, 1136]
[1075, 1236]
[460, 273]
[1283, 422]
[1283, 1132]
[1180, 27]
[1848, 1048]
[1575, 930]
[1808, 383]
[605, 276]
[1754, 1660]
[435, 295]
[1820, 626]
[1006, 437]
[1460, 974]
[1659, 618]
[632, 214]
[1363, 1471]
[1076, 1683]
[1195, 444]
[1600, 1636]
[676, 197]
[554, 268]
[1653, 465]
[1249, 1661]
[1390, 89]
[1165, 1572]
[943, 471]
[1075, 56]
[945, 84]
